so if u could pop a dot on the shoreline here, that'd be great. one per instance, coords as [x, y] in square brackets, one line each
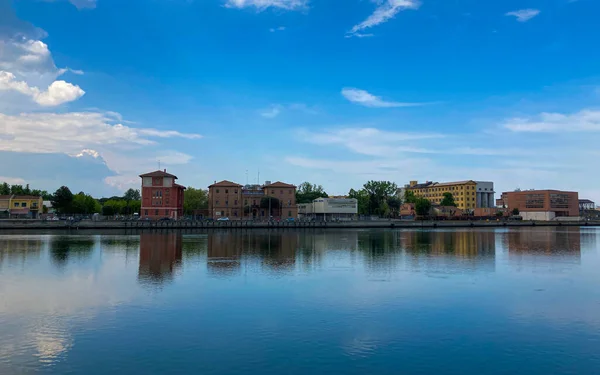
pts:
[6, 225]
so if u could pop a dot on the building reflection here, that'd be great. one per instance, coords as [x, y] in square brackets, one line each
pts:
[451, 251]
[160, 257]
[274, 250]
[546, 241]
[315, 244]
[19, 249]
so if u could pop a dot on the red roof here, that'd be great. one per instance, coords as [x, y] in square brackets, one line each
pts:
[279, 184]
[180, 186]
[225, 183]
[158, 174]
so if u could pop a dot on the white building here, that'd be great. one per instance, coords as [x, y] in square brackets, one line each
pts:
[329, 209]
[485, 194]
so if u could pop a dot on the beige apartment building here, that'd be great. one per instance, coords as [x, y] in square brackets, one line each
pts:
[227, 199]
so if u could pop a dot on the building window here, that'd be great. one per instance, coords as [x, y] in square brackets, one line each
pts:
[289, 202]
[217, 191]
[35, 204]
[235, 191]
[235, 213]
[235, 202]
[16, 204]
[272, 191]
[145, 212]
[166, 212]
[222, 213]
[217, 203]
[226, 191]
[245, 202]
[226, 203]
[280, 191]
[155, 212]
[289, 213]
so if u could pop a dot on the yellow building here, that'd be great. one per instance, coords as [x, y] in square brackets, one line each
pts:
[464, 192]
[28, 206]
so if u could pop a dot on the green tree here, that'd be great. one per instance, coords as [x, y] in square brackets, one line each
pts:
[308, 192]
[85, 204]
[194, 199]
[394, 204]
[378, 192]
[362, 197]
[5, 189]
[130, 195]
[17, 190]
[114, 207]
[410, 197]
[422, 206]
[515, 211]
[448, 200]
[62, 199]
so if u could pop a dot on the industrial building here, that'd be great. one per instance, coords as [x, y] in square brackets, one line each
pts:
[542, 205]
[468, 194]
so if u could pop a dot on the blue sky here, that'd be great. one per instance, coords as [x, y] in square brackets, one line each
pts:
[93, 93]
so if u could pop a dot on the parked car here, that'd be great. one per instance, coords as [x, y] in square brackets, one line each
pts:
[290, 219]
[223, 219]
[165, 219]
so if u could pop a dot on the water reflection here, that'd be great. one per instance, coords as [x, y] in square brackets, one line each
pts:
[275, 250]
[545, 240]
[62, 248]
[450, 251]
[19, 249]
[160, 257]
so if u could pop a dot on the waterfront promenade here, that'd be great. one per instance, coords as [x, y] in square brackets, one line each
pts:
[88, 224]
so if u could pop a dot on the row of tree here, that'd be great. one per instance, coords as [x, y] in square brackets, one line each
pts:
[6, 189]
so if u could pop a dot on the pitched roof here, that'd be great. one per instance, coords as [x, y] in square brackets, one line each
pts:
[225, 183]
[180, 186]
[279, 184]
[158, 174]
[5, 197]
[585, 201]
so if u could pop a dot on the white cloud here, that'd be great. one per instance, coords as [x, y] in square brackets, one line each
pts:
[264, 4]
[366, 99]
[57, 93]
[275, 29]
[12, 180]
[524, 15]
[583, 121]
[72, 132]
[272, 112]
[386, 10]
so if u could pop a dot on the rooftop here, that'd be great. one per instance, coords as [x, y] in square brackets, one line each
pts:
[225, 183]
[162, 173]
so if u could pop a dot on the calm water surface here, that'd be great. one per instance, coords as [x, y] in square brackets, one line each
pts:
[509, 301]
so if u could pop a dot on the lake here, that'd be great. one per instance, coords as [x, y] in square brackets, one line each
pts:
[465, 301]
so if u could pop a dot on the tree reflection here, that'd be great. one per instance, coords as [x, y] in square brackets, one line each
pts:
[63, 248]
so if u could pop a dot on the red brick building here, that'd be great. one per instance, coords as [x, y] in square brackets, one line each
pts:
[236, 202]
[543, 204]
[161, 196]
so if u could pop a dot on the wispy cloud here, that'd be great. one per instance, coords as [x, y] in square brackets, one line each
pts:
[265, 4]
[272, 111]
[275, 29]
[583, 121]
[386, 10]
[370, 141]
[366, 99]
[524, 15]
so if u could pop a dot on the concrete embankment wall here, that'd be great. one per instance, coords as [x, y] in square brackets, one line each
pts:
[49, 225]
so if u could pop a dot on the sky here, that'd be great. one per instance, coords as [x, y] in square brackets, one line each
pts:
[94, 93]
